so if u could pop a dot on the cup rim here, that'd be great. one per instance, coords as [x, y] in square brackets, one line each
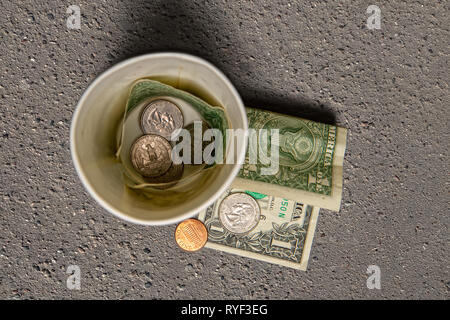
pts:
[189, 214]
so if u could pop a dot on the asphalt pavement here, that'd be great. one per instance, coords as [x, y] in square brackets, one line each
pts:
[313, 59]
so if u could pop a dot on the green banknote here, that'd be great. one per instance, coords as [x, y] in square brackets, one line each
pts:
[311, 156]
[283, 235]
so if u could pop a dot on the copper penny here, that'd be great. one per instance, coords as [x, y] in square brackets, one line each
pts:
[191, 235]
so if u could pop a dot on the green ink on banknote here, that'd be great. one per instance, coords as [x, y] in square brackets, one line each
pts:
[306, 152]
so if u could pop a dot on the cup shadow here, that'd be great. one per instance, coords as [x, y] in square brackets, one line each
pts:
[185, 26]
[298, 106]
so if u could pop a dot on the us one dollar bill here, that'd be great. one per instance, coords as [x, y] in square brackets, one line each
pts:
[283, 235]
[311, 156]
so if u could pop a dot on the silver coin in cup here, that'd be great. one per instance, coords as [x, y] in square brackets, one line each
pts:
[151, 155]
[161, 117]
[239, 213]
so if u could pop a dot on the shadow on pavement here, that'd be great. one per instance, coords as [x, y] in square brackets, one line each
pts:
[180, 25]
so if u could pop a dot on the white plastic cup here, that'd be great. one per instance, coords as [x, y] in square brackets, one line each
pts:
[99, 112]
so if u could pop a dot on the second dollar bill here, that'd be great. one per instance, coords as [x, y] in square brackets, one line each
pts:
[283, 235]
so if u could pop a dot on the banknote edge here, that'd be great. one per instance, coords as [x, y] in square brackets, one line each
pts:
[252, 255]
[325, 202]
[310, 237]
[338, 168]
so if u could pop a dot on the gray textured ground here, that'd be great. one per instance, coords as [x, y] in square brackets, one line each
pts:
[314, 59]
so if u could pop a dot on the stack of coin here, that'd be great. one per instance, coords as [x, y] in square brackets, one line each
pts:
[151, 153]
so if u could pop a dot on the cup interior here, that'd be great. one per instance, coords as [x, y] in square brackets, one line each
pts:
[94, 130]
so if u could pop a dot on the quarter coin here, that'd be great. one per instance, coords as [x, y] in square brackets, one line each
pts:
[239, 213]
[151, 155]
[161, 117]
